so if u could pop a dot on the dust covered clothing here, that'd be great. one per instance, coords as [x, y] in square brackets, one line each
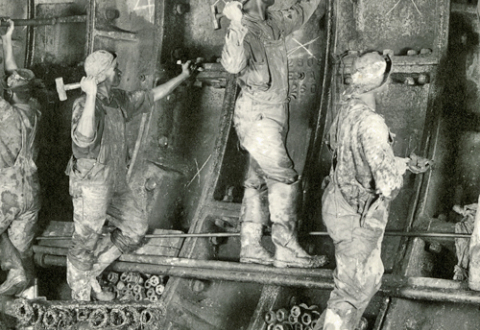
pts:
[364, 178]
[98, 183]
[255, 49]
[19, 185]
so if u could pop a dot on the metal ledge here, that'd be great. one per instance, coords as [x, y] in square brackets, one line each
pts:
[425, 289]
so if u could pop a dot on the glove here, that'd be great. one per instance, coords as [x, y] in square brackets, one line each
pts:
[417, 164]
[233, 11]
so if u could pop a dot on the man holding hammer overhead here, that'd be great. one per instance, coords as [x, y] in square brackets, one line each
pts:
[98, 172]
[19, 187]
[255, 50]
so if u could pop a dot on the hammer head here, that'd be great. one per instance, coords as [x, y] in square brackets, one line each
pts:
[62, 93]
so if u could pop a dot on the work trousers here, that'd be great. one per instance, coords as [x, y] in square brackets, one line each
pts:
[261, 129]
[94, 199]
[19, 206]
[357, 241]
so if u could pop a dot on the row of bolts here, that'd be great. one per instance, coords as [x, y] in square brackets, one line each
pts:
[43, 317]
[299, 317]
[133, 286]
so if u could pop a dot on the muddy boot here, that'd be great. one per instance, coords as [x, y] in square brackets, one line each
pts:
[283, 210]
[346, 317]
[100, 295]
[251, 249]
[106, 253]
[79, 281]
[11, 261]
[29, 266]
[254, 216]
[333, 321]
[362, 325]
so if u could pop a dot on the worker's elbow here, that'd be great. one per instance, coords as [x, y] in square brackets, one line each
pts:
[232, 67]
[83, 140]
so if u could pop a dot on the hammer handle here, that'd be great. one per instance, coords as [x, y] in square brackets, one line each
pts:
[72, 86]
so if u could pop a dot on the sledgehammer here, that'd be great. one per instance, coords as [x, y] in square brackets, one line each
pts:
[62, 88]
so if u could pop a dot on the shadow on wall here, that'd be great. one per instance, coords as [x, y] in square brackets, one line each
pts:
[55, 144]
[461, 111]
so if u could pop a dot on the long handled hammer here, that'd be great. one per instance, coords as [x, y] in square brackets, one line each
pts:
[62, 88]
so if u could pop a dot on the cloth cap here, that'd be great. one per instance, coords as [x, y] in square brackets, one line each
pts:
[20, 79]
[370, 65]
[98, 62]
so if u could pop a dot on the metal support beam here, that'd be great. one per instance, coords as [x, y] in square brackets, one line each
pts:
[48, 21]
[392, 285]
[314, 233]
[200, 264]
[204, 273]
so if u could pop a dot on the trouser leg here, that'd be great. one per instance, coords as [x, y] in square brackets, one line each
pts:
[18, 216]
[21, 234]
[90, 203]
[126, 213]
[254, 217]
[263, 136]
[462, 248]
[359, 268]
[283, 214]
[11, 261]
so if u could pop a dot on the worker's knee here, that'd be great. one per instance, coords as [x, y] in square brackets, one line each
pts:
[127, 244]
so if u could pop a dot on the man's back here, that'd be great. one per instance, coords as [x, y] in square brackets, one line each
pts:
[11, 126]
[365, 163]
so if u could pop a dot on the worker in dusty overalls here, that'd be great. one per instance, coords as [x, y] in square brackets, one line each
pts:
[364, 178]
[98, 172]
[255, 50]
[19, 186]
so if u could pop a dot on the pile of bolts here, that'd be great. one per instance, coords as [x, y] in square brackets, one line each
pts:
[299, 317]
[134, 286]
[44, 315]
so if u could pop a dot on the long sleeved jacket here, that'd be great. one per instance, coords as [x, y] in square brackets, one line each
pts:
[255, 49]
[364, 163]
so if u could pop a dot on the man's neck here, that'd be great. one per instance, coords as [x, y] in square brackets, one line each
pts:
[104, 89]
[256, 9]
[368, 99]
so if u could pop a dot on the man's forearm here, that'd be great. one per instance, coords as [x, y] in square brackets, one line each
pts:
[10, 64]
[163, 90]
[233, 53]
[86, 123]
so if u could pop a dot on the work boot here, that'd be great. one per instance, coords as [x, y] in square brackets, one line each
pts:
[283, 210]
[333, 321]
[106, 253]
[29, 291]
[15, 283]
[253, 217]
[100, 295]
[251, 249]
[11, 261]
[293, 255]
[346, 318]
[362, 325]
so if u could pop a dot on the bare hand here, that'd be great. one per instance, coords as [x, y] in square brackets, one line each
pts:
[233, 11]
[89, 85]
[419, 164]
[186, 71]
[11, 27]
